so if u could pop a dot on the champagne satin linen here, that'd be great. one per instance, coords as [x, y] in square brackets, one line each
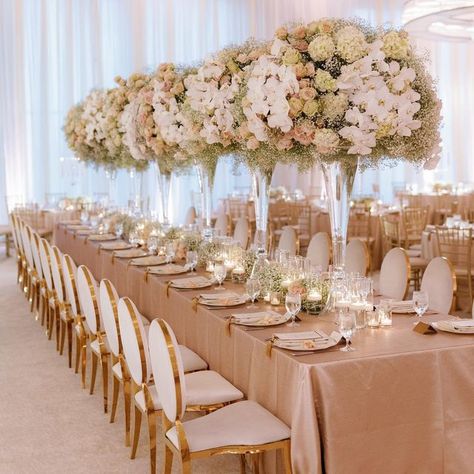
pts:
[402, 402]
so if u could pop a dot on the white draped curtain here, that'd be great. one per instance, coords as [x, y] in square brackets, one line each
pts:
[52, 52]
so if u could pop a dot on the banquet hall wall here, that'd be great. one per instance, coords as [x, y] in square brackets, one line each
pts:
[54, 52]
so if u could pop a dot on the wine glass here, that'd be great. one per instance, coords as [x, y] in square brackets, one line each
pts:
[293, 306]
[169, 251]
[152, 244]
[420, 303]
[118, 230]
[220, 273]
[346, 328]
[134, 238]
[84, 217]
[252, 287]
[191, 259]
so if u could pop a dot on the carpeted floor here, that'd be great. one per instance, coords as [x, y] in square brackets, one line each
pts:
[48, 423]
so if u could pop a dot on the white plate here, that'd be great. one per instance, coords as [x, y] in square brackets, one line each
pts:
[191, 283]
[102, 237]
[442, 326]
[406, 310]
[131, 253]
[261, 318]
[85, 232]
[308, 344]
[116, 246]
[224, 302]
[168, 269]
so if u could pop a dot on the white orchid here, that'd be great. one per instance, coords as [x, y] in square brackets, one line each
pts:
[362, 142]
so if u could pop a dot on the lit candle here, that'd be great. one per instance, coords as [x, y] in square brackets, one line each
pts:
[342, 304]
[314, 295]
[373, 319]
[286, 283]
[266, 298]
[275, 299]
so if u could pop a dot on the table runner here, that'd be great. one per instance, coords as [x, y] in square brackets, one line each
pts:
[402, 402]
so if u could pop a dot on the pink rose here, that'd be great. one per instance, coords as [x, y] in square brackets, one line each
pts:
[304, 83]
[300, 45]
[284, 143]
[299, 70]
[310, 69]
[307, 93]
[299, 32]
[253, 143]
[304, 133]
[281, 33]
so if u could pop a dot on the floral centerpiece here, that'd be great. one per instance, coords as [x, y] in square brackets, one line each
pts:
[340, 93]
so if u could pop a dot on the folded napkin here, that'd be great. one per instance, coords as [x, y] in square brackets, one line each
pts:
[192, 282]
[402, 304]
[219, 296]
[169, 268]
[461, 326]
[300, 336]
[255, 317]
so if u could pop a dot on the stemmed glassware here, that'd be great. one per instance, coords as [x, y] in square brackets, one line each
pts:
[420, 303]
[152, 244]
[134, 238]
[253, 290]
[293, 306]
[169, 251]
[118, 230]
[220, 273]
[347, 325]
[191, 259]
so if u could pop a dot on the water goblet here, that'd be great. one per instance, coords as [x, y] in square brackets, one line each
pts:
[420, 304]
[191, 259]
[134, 238]
[169, 251]
[346, 328]
[252, 287]
[118, 230]
[152, 244]
[220, 273]
[293, 306]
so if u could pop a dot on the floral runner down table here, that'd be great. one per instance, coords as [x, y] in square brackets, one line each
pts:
[401, 402]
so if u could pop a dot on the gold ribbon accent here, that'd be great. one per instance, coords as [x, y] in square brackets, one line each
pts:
[74, 236]
[269, 348]
[228, 324]
[85, 240]
[98, 250]
[168, 289]
[194, 303]
[113, 257]
[147, 271]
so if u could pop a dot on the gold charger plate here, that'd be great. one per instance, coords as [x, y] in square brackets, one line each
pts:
[129, 253]
[260, 318]
[168, 269]
[191, 283]
[116, 246]
[102, 237]
[147, 260]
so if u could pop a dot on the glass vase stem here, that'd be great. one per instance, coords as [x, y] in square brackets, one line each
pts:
[163, 181]
[261, 193]
[339, 180]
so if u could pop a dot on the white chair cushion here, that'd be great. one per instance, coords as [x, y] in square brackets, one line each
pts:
[191, 361]
[117, 370]
[95, 345]
[243, 423]
[418, 262]
[202, 388]
[415, 247]
[413, 253]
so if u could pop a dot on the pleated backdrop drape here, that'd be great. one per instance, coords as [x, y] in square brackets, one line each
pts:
[52, 52]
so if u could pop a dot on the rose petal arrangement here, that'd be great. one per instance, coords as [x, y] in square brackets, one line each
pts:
[330, 90]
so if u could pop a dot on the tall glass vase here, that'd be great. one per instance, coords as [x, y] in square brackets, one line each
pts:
[206, 182]
[339, 180]
[163, 181]
[261, 192]
[111, 175]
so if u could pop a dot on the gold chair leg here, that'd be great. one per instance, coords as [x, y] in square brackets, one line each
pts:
[168, 460]
[136, 432]
[95, 360]
[83, 344]
[69, 342]
[127, 402]
[50, 321]
[151, 416]
[78, 353]
[287, 458]
[62, 336]
[185, 465]
[57, 319]
[33, 297]
[104, 362]
[115, 394]
[242, 464]
[43, 310]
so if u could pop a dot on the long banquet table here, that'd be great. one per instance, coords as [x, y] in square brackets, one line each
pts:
[401, 403]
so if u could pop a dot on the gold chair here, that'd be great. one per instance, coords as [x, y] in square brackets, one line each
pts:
[207, 390]
[243, 427]
[456, 246]
[87, 290]
[360, 227]
[414, 220]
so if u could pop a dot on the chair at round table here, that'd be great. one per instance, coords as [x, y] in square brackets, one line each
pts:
[439, 282]
[357, 258]
[319, 250]
[395, 274]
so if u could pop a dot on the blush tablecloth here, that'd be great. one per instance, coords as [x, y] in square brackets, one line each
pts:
[401, 403]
